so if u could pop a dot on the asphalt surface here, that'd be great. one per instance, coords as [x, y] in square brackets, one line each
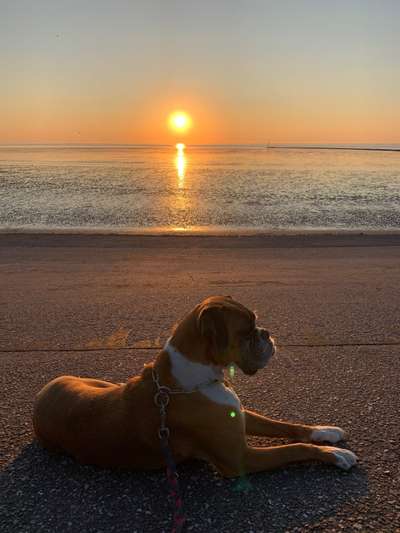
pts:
[99, 307]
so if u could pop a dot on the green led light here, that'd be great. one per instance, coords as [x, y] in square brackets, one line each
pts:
[232, 414]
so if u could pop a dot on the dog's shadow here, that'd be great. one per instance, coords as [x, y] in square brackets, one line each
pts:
[42, 492]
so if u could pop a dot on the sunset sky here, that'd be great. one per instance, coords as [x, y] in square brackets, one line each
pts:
[293, 71]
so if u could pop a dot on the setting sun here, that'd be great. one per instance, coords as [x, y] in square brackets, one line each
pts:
[179, 122]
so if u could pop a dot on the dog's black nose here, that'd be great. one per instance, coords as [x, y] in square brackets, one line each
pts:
[264, 334]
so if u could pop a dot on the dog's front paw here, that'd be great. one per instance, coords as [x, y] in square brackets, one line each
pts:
[329, 434]
[340, 457]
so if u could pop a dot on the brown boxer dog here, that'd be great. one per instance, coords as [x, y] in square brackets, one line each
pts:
[116, 425]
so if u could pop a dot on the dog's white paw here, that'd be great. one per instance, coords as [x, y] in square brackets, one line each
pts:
[329, 434]
[344, 459]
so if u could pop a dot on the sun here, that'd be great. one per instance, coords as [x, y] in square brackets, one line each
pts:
[179, 122]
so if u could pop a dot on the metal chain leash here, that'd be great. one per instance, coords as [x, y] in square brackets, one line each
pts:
[161, 399]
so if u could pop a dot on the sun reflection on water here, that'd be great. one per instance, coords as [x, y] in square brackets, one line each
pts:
[180, 163]
[180, 202]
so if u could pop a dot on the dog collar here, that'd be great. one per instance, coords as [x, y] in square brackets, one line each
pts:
[163, 389]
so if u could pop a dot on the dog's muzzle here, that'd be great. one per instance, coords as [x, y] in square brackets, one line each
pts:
[257, 352]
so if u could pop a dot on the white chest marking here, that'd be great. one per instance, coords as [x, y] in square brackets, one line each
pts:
[190, 374]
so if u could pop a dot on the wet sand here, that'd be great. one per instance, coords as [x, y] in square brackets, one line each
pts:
[101, 305]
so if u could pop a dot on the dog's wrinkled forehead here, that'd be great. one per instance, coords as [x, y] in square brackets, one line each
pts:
[234, 313]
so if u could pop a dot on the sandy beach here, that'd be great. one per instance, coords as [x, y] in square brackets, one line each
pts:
[99, 306]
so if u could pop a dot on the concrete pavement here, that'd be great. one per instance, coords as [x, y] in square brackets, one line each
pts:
[73, 304]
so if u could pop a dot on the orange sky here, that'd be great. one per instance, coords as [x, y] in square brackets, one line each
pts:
[300, 73]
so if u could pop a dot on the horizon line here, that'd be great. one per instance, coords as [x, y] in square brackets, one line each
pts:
[267, 144]
[372, 147]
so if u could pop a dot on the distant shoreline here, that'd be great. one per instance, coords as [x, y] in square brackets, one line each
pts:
[366, 149]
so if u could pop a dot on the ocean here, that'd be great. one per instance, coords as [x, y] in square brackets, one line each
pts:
[153, 188]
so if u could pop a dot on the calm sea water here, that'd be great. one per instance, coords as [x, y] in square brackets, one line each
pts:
[125, 188]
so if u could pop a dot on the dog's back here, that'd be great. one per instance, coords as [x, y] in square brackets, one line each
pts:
[95, 421]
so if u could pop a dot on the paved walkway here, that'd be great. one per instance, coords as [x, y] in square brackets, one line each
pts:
[74, 305]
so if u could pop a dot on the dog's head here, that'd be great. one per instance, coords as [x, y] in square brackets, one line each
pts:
[227, 332]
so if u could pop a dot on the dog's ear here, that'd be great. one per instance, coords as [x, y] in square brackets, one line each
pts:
[212, 327]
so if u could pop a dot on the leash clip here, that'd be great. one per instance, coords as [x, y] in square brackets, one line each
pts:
[161, 397]
[163, 433]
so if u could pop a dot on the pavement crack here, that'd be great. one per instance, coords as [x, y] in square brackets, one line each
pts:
[153, 348]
